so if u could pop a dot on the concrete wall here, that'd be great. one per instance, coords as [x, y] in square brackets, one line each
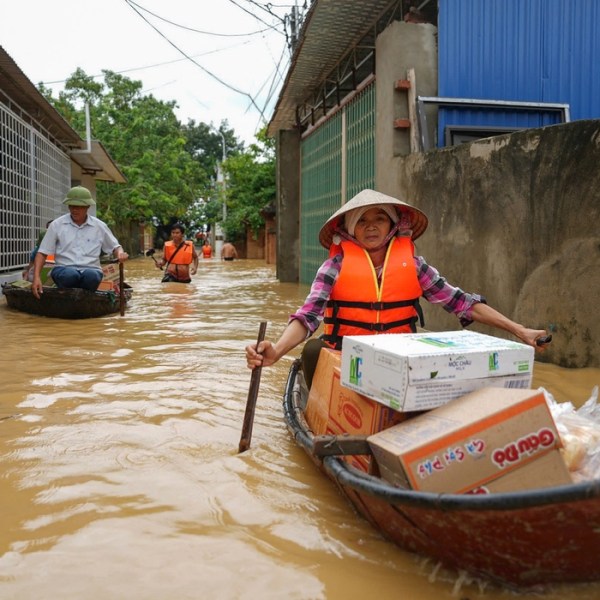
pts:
[255, 245]
[271, 241]
[401, 46]
[516, 218]
[513, 217]
[288, 206]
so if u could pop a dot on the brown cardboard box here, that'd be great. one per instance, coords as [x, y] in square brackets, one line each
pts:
[333, 409]
[107, 286]
[110, 280]
[111, 271]
[548, 470]
[469, 442]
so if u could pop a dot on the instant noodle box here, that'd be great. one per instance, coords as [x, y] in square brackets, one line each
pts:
[334, 409]
[479, 442]
[421, 371]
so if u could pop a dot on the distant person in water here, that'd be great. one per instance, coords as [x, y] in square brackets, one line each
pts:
[76, 240]
[179, 257]
[228, 251]
[206, 250]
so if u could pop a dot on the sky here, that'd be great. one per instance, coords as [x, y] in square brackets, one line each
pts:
[212, 78]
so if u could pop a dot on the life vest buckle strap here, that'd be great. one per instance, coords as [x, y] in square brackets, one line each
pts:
[373, 305]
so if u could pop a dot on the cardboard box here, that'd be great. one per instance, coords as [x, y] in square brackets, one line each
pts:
[108, 286]
[421, 371]
[110, 280]
[469, 442]
[111, 272]
[548, 470]
[335, 410]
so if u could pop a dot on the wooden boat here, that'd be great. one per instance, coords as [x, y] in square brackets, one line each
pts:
[72, 303]
[525, 539]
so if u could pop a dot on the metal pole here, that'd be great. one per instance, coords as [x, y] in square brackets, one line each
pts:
[221, 182]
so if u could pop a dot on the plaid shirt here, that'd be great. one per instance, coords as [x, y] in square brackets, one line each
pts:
[435, 290]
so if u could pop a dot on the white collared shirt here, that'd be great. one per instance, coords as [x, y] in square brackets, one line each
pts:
[78, 245]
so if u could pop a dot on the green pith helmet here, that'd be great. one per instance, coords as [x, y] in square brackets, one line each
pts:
[79, 196]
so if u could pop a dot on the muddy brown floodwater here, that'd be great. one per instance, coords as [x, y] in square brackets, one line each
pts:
[120, 477]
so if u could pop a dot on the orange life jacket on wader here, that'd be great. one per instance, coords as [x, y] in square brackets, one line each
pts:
[360, 305]
[183, 257]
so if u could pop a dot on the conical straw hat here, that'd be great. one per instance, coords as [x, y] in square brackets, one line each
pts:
[367, 197]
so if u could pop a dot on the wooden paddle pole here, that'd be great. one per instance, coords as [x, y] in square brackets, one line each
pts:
[121, 290]
[252, 394]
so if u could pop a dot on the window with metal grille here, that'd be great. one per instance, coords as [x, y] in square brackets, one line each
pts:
[34, 176]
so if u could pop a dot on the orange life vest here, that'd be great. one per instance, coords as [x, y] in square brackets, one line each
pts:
[359, 304]
[183, 257]
[206, 251]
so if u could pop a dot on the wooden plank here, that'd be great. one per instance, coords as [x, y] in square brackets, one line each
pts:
[334, 445]
[415, 144]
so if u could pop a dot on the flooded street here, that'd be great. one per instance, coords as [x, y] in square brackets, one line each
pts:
[121, 477]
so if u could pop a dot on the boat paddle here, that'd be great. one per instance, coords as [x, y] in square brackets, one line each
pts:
[121, 289]
[252, 394]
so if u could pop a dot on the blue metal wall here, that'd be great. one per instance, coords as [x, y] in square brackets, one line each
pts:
[527, 50]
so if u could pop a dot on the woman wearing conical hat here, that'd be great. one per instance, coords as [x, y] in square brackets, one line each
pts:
[372, 281]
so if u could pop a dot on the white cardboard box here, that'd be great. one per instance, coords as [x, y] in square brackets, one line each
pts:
[420, 371]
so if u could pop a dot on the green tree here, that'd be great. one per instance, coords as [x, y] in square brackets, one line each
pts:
[145, 139]
[207, 144]
[250, 187]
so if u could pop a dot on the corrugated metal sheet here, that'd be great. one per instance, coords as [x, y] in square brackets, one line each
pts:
[321, 182]
[330, 30]
[532, 50]
[360, 142]
[345, 143]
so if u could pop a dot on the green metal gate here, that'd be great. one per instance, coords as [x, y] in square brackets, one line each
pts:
[360, 142]
[337, 162]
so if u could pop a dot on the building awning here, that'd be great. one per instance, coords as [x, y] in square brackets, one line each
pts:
[98, 163]
[25, 100]
[331, 29]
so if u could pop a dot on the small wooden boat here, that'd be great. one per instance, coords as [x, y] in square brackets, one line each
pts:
[522, 540]
[72, 303]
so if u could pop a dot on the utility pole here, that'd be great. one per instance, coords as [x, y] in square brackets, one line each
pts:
[222, 186]
[221, 175]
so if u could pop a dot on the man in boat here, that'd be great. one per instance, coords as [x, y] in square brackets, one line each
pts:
[178, 255]
[76, 240]
[372, 282]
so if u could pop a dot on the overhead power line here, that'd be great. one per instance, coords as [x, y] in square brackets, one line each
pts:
[132, 5]
[131, 2]
[257, 17]
[160, 64]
